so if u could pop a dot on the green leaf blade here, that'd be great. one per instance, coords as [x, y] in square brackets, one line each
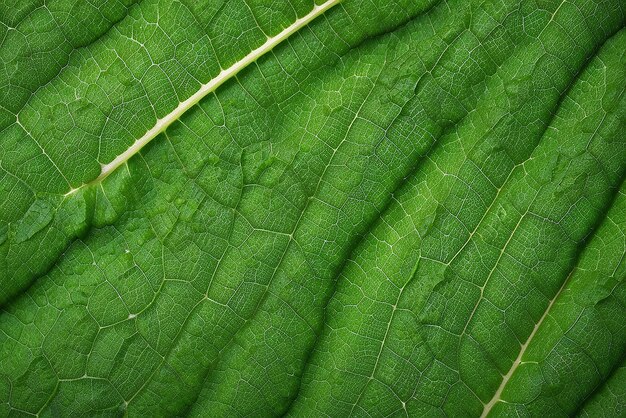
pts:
[403, 209]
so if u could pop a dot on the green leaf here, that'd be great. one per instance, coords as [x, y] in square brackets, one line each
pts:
[269, 207]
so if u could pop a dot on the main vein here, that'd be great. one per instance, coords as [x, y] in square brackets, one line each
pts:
[212, 85]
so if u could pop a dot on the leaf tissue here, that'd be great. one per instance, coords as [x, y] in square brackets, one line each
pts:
[312, 208]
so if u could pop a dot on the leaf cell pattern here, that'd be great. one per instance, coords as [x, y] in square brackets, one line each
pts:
[403, 208]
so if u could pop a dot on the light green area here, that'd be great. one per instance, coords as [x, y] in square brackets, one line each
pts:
[375, 218]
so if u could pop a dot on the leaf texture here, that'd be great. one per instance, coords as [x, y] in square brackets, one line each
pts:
[355, 208]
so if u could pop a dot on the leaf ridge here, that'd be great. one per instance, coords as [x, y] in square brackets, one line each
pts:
[497, 397]
[553, 115]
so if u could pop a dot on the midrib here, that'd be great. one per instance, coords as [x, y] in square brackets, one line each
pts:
[162, 124]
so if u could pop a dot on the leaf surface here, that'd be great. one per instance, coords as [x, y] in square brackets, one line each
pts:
[259, 208]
